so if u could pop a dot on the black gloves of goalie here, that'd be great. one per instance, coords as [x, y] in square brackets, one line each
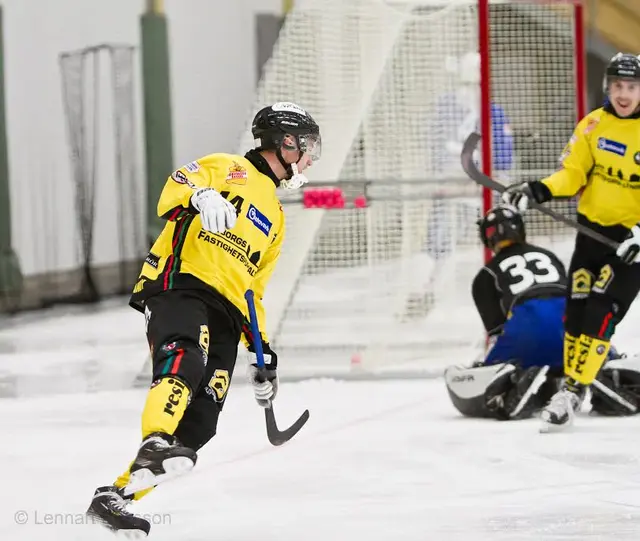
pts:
[264, 382]
[518, 195]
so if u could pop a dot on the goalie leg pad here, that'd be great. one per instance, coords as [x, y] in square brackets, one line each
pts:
[468, 387]
[621, 377]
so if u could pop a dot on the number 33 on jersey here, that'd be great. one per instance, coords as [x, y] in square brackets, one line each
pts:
[241, 258]
[517, 272]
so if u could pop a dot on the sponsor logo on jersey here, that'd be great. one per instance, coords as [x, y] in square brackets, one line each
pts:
[192, 167]
[237, 174]
[608, 145]
[593, 122]
[152, 259]
[181, 178]
[259, 220]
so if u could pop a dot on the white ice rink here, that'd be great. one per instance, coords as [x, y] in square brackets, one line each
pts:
[376, 461]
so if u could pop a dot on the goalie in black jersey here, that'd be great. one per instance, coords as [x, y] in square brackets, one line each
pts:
[520, 296]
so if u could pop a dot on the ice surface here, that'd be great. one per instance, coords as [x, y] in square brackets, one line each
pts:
[377, 460]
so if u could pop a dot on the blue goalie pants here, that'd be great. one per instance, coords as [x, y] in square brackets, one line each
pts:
[533, 335]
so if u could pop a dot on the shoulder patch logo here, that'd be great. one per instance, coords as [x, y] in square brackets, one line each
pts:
[192, 167]
[181, 178]
[237, 175]
[609, 145]
[259, 220]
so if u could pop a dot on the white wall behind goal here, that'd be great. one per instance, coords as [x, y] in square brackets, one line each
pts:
[213, 83]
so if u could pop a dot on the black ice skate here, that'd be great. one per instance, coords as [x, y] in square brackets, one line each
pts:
[109, 509]
[559, 413]
[161, 457]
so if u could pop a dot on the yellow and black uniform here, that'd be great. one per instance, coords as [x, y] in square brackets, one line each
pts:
[223, 266]
[192, 287]
[601, 164]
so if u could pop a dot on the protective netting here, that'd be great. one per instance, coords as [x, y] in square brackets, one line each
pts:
[84, 74]
[395, 87]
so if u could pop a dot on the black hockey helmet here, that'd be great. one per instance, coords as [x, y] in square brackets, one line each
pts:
[622, 66]
[501, 223]
[273, 123]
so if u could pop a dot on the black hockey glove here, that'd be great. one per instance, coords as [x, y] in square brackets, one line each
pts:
[264, 382]
[518, 195]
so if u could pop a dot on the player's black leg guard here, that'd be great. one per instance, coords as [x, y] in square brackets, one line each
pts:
[199, 423]
[182, 359]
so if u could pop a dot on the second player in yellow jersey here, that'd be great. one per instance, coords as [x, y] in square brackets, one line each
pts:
[600, 165]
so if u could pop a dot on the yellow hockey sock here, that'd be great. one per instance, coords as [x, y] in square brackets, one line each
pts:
[165, 406]
[123, 480]
[570, 351]
[591, 354]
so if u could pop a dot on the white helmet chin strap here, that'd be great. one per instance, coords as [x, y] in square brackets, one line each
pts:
[296, 181]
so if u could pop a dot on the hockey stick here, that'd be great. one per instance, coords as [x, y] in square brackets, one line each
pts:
[275, 436]
[471, 169]
[614, 396]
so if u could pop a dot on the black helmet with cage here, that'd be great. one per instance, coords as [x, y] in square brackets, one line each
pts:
[274, 123]
[501, 223]
[622, 66]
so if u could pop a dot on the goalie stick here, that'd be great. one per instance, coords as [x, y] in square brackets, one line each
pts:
[471, 169]
[275, 436]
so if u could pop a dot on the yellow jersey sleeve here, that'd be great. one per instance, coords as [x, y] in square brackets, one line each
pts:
[175, 198]
[577, 162]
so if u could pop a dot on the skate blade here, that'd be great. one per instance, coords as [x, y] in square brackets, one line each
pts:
[131, 535]
[547, 427]
[143, 479]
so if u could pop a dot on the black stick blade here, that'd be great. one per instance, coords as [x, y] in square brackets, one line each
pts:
[278, 437]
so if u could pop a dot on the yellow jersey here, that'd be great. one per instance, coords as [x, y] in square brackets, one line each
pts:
[185, 256]
[602, 162]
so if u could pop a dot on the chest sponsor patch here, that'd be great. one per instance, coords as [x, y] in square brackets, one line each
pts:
[609, 145]
[237, 174]
[192, 167]
[259, 220]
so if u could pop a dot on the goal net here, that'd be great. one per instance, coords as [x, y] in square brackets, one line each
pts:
[381, 249]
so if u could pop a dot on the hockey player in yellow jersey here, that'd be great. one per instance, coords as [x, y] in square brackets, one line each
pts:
[224, 232]
[600, 164]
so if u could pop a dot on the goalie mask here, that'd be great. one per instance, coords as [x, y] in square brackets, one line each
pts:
[287, 125]
[502, 223]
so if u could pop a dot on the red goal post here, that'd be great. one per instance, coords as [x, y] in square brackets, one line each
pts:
[383, 288]
[569, 10]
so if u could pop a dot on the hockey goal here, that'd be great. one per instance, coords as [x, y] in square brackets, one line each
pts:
[380, 252]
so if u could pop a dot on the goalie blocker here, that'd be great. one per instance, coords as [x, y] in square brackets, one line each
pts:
[508, 392]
